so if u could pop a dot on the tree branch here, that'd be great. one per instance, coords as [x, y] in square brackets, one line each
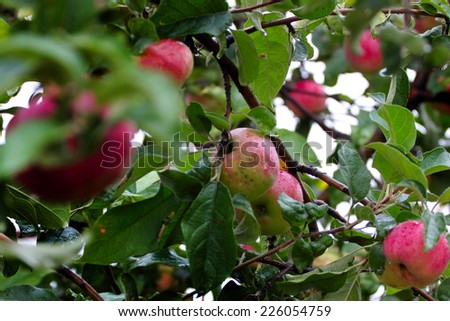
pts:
[78, 280]
[251, 8]
[423, 294]
[226, 64]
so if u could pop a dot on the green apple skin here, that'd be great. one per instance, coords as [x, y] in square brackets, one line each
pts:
[266, 208]
[407, 265]
[252, 166]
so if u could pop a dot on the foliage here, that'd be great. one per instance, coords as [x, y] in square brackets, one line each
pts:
[169, 225]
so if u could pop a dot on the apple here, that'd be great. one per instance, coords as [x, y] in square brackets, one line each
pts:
[170, 57]
[424, 23]
[369, 59]
[266, 208]
[251, 166]
[76, 172]
[308, 94]
[407, 264]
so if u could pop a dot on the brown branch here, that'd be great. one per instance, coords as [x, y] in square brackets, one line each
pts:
[285, 94]
[332, 212]
[5, 238]
[226, 64]
[78, 280]
[423, 294]
[251, 8]
[271, 283]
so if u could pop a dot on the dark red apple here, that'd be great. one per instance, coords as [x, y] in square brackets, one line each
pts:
[309, 95]
[170, 57]
[80, 174]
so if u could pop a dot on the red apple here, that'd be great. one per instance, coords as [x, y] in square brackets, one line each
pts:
[266, 208]
[80, 173]
[252, 165]
[171, 57]
[309, 95]
[369, 59]
[407, 264]
[424, 23]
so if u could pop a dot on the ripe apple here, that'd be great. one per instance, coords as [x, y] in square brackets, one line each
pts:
[77, 172]
[369, 59]
[171, 57]
[424, 23]
[252, 165]
[407, 265]
[308, 94]
[266, 208]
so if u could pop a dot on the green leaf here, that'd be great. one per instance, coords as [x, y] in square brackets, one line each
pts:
[133, 228]
[184, 186]
[415, 186]
[208, 232]
[218, 120]
[301, 49]
[399, 89]
[445, 196]
[397, 124]
[27, 293]
[433, 229]
[315, 9]
[24, 147]
[144, 33]
[175, 18]
[364, 213]
[377, 260]
[434, 161]
[247, 57]
[166, 257]
[198, 119]
[350, 291]
[384, 223]
[24, 207]
[24, 276]
[364, 131]
[302, 254]
[263, 118]
[298, 147]
[274, 51]
[293, 211]
[395, 166]
[247, 229]
[354, 171]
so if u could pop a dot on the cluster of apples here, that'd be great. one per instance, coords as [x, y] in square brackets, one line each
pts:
[94, 152]
[252, 167]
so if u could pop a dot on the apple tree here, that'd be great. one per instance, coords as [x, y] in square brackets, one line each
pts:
[143, 154]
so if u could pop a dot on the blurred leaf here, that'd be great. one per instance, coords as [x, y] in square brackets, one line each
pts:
[24, 276]
[208, 233]
[137, 6]
[434, 227]
[445, 196]
[144, 33]
[397, 124]
[184, 186]
[443, 291]
[24, 147]
[354, 171]
[399, 89]
[395, 166]
[263, 118]
[336, 66]
[315, 9]
[434, 161]
[377, 260]
[175, 18]
[198, 119]
[26, 208]
[301, 49]
[60, 236]
[133, 228]
[364, 131]
[166, 257]
[298, 147]
[274, 51]
[27, 293]
[247, 57]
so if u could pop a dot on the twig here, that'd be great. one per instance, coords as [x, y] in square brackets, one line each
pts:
[226, 64]
[285, 94]
[251, 8]
[268, 285]
[332, 212]
[227, 87]
[78, 280]
[423, 294]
